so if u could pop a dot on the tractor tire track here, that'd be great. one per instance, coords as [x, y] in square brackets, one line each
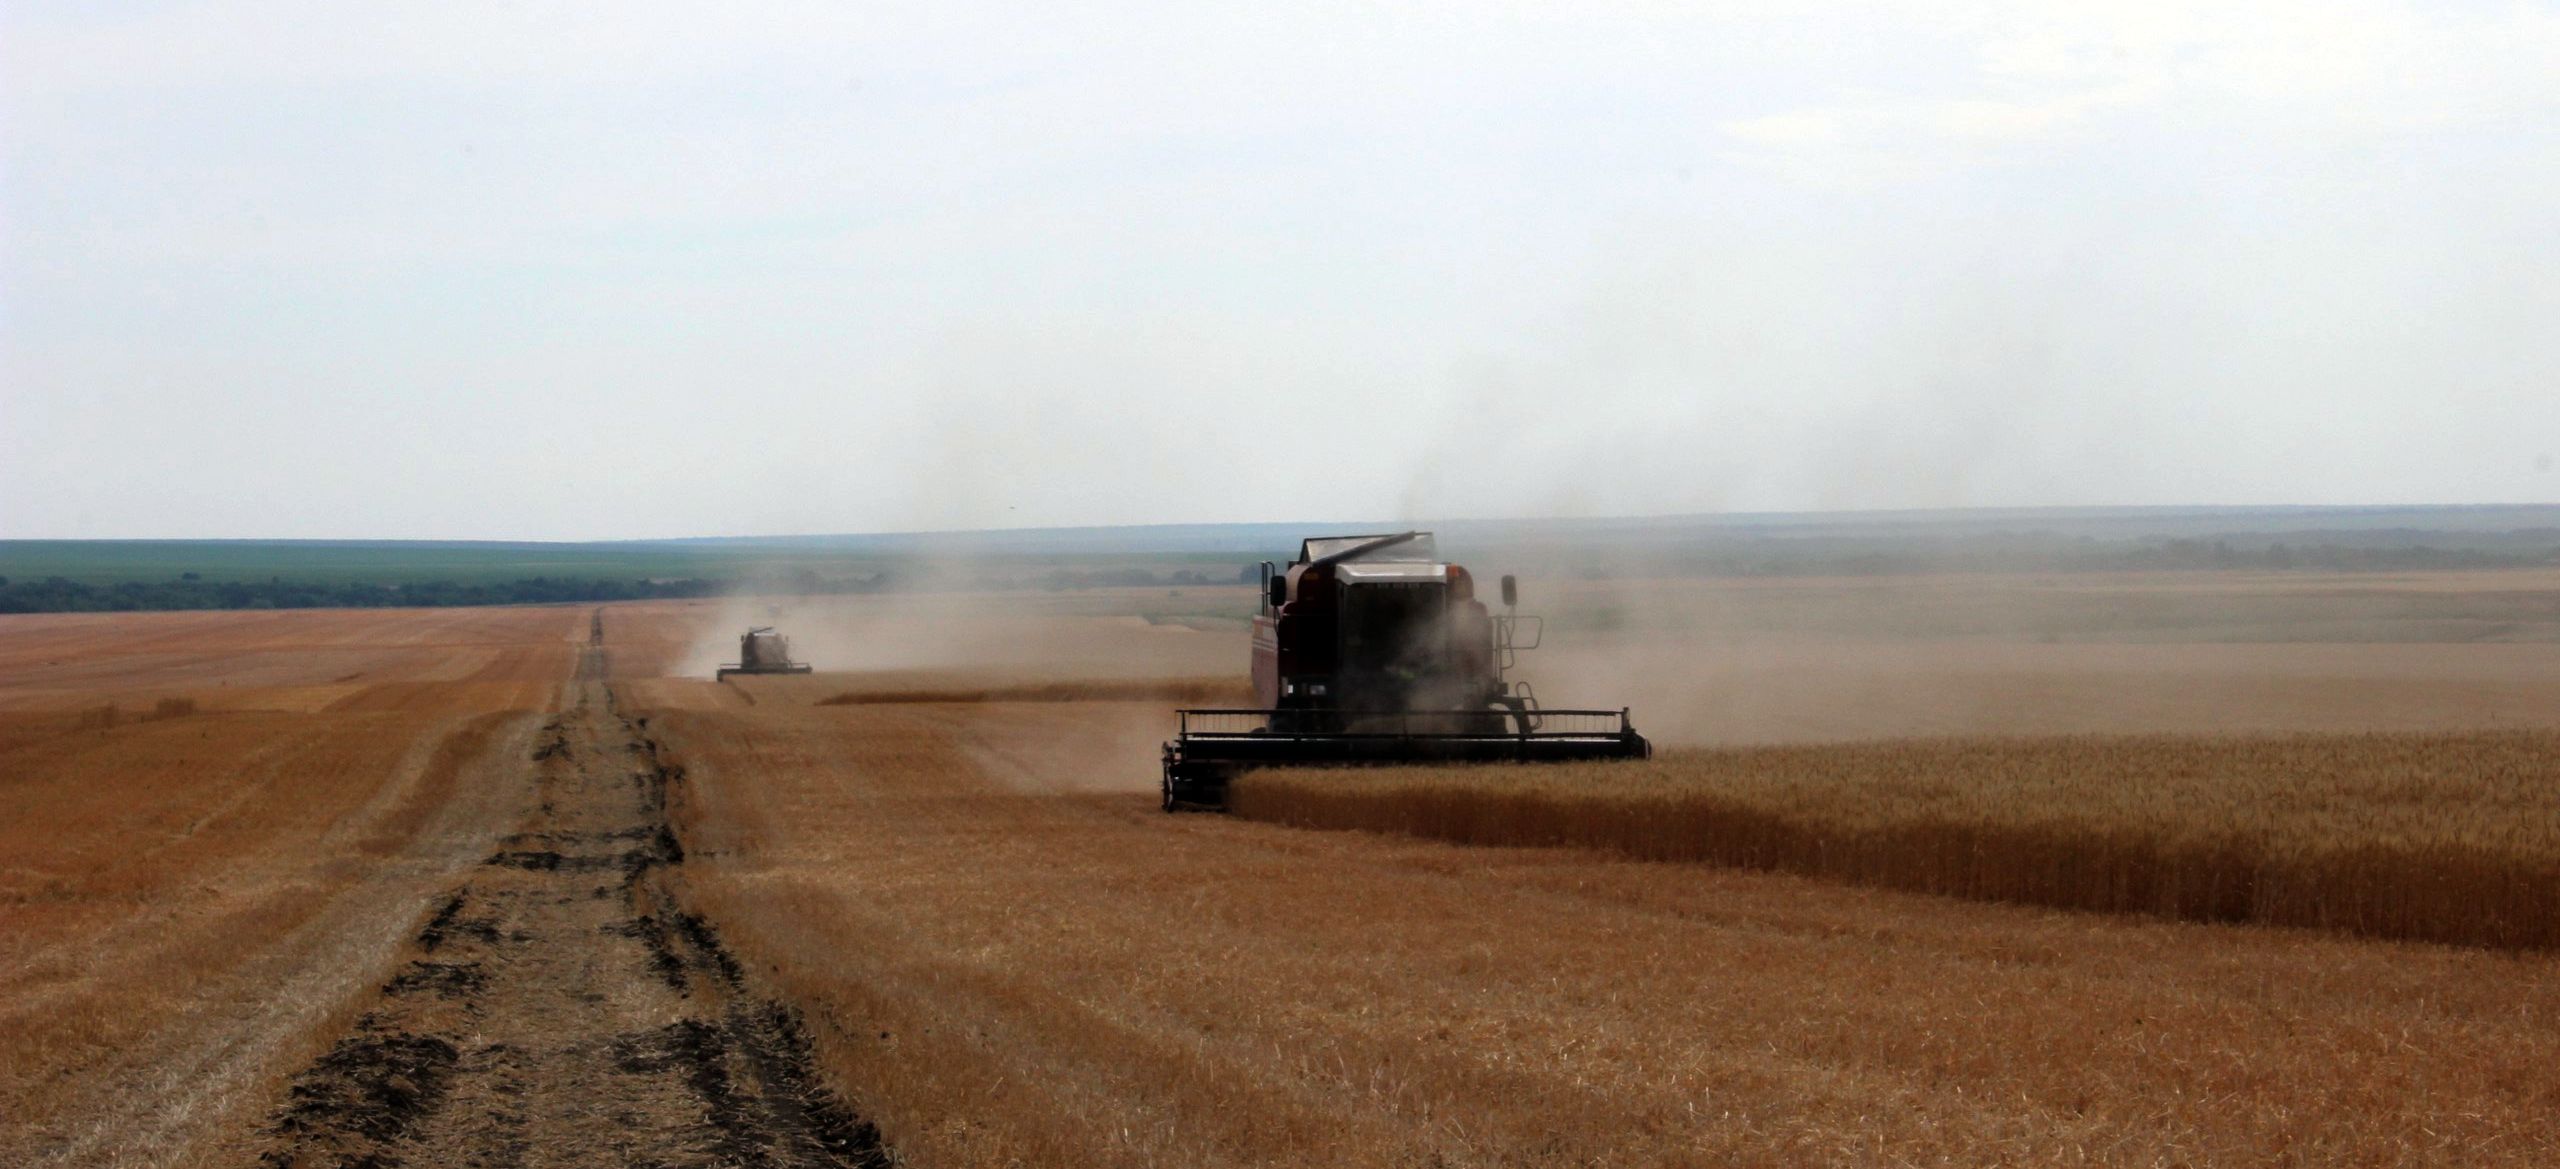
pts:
[561, 1007]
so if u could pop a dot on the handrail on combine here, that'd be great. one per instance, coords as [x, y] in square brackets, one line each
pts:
[1550, 723]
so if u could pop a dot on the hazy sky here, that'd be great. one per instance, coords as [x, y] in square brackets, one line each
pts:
[548, 270]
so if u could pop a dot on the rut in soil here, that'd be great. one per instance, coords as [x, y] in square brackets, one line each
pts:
[562, 1007]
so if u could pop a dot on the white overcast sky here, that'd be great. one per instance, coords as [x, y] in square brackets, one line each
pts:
[550, 270]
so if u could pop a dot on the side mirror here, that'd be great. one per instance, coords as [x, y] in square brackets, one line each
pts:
[1510, 590]
[1276, 591]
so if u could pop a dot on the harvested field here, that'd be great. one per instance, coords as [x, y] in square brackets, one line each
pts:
[309, 660]
[196, 884]
[460, 888]
[2436, 837]
[403, 929]
[562, 1006]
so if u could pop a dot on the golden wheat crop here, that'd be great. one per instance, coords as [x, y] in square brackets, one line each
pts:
[2438, 837]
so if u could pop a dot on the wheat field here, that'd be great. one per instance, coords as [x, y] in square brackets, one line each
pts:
[226, 829]
[1007, 963]
[2446, 837]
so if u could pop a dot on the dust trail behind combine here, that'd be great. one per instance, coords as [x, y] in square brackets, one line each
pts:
[1198, 691]
[561, 1007]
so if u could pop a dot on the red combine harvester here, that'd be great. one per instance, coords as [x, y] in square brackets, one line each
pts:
[1370, 650]
[761, 651]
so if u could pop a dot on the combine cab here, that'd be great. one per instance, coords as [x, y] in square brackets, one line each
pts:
[762, 651]
[1370, 649]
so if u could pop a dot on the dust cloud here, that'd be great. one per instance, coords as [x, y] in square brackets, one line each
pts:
[1055, 693]
[975, 637]
[1744, 659]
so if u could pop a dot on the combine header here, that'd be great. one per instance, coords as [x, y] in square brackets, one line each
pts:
[1370, 649]
[762, 651]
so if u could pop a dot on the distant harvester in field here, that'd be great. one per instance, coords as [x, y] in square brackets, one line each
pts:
[1372, 649]
[762, 651]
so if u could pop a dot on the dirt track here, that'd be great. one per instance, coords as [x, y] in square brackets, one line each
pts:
[562, 1008]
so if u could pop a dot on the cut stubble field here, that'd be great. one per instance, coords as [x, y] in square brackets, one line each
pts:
[933, 872]
[189, 897]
